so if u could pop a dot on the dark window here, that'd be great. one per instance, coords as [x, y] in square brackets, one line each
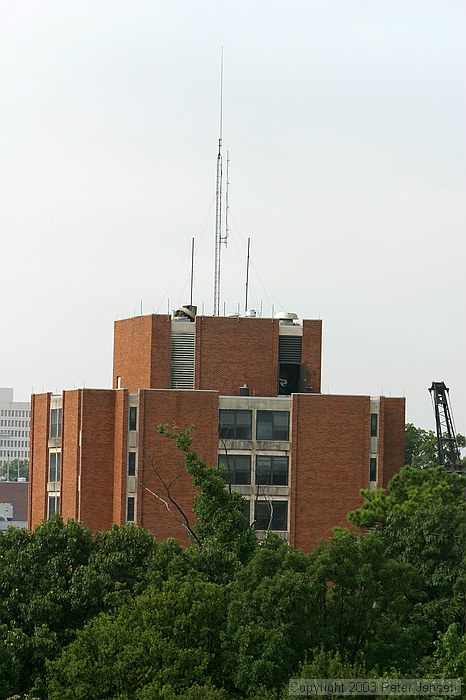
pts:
[373, 469]
[288, 379]
[374, 424]
[271, 515]
[131, 463]
[236, 469]
[272, 425]
[133, 417]
[130, 509]
[54, 466]
[272, 470]
[54, 505]
[55, 422]
[235, 425]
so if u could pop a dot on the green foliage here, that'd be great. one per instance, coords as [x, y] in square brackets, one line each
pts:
[121, 616]
[366, 601]
[408, 490]
[167, 636]
[270, 618]
[9, 471]
[449, 658]
[421, 450]
[225, 538]
[55, 579]
[421, 518]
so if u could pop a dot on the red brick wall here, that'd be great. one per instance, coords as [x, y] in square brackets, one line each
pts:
[141, 352]
[158, 453]
[120, 457]
[160, 358]
[70, 454]
[235, 351]
[312, 353]
[97, 446]
[329, 463]
[230, 352]
[392, 429]
[38, 468]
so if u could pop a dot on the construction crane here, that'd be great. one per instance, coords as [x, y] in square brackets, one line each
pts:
[448, 450]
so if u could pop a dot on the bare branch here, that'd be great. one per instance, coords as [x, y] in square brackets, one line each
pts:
[183, 520]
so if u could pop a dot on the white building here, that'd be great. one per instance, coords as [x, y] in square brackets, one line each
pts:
[14, 428]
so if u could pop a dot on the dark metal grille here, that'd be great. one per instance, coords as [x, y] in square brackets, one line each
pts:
[290, 348]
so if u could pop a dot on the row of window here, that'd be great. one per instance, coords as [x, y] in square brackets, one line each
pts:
[12, 454]
[237, 425]
[15, 412]
[15, 433]
[269, 470]
[14, 423]
[14, 443]
[268, 515]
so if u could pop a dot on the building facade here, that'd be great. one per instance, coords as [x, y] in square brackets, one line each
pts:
[14, 428]
[251, 388]
[13, 504]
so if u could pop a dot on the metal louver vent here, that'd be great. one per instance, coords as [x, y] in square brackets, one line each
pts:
[290, 349]
[182, 360]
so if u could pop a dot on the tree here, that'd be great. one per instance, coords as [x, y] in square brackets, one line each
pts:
[9, 471]
[271, 619]
[421, 449]
[222, 534]
[407, 490]
[53, 581]
[168, 638]
[421, 519]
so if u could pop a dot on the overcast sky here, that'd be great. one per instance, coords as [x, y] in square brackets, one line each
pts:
[345, 123]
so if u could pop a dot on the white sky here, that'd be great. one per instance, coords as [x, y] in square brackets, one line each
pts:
[345, 122]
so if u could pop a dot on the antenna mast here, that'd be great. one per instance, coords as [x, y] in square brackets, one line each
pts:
[247, 278]
[218, 205]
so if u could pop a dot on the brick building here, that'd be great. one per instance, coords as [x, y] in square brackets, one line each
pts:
[251, 387]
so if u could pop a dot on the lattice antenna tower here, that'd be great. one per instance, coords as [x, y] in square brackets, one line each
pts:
[218, 206]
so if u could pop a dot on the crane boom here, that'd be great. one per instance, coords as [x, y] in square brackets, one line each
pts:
[448, 450]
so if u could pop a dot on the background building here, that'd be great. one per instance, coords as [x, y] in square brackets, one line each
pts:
[13, 504]
[14, 428]
[251, 387]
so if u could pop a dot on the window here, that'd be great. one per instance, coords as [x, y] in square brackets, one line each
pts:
[54, 505]
[55, 422]
[272, 425]
[235, 425]
[373, 469]
[374, 424]
[272, 470]
[130, 509]
[131, 463]
[54, 466]
[271, 515]
[236, 468]
[133, 417]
